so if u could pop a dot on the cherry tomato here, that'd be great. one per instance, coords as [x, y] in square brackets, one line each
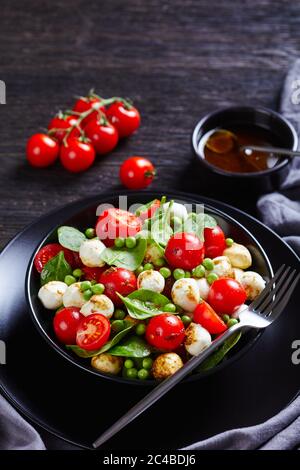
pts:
[226, 295]
[65, 324]
[184, 250]
[93, 332]
[205, 315]
[114, 223]
[119, 280]
[63, 123]
[41, 150]
[126, 119]
[48, 252]
[83, 104]
[104, 137]
[149, 211]
[92, 274]
[165, 332]
[214, 242]
[137, 173]
[77, 156]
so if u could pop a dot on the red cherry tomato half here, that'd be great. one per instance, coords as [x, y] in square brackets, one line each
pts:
[77, 156]
[114, 223]
[104, 137]
[226, 295]
[93, 332]
[165, 332]
[149, 212]
[84, 104]
[137, 173]
[126, 119]
[205, 315]
[214, 242]
[92, 274]
[119, 280]
[41, 150]
[48, 252]
[65, 324]
[184, 250]
[62, 124]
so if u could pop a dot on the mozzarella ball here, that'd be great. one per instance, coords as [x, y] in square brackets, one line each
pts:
[237, 274]
[203, 287]
[185, 294]
[222, 267]
[197, 339]
[151, 280]
[253, 284]
[51, 294]
[236, 313]
[177, 210]
[165, 365]
[90, 253]
[239, 256]
[107, 363]
[73, 297]
[98, 304]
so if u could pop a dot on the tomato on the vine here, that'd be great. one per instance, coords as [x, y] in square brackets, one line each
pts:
[77, 156]
[184, 250]
[124, 117]
[137, 172]
[205, 315]
[214, 241]
[60, 124]
[41, 150]
[119, 280]
[65, 324]
[226, 295]
[103, 136]
[165, 331]
[85, 103]
[93, 332]
[48, 252]
[114, 223]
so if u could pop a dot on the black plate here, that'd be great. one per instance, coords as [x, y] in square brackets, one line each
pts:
[86, 218]
[77, 406]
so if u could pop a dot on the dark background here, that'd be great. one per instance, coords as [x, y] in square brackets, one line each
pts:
[176, 59]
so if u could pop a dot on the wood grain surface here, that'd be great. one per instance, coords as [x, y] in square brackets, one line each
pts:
[176, 59]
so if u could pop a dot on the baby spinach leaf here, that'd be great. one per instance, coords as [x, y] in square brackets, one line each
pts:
[219, 355]
[161, 230]
[144, 303]
[209, 221]
[126, 258]
[132, 347]
[196, 223]
[70, 237]
[56, 269]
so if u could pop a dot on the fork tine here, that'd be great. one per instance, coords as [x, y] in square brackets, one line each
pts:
[267, 289]
[284, 301]
[280, 293]
[274, 291]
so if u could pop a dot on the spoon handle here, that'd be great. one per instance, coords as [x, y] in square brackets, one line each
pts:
[248, 149]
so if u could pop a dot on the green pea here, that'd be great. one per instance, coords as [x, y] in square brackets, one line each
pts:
[129, 364]
[208, 264]
[143, 374]
[187, 274]
[186, 320]
[178, 274]
[132, 373]
[231, 322]
[212, 277]
[87, 294]
[199, 271]
[139, 270]
[77, 272]
[169, 308]
[85, 285]
[147, 363]
[226, 318]
[165, 272]
[148, 266]
[130, 242]
[140, 329]
[119, 314]
[160, 262]
[70, 280]
[229, 241]
[90, 233]
[117, 325]
[98, 289]
[119, 242]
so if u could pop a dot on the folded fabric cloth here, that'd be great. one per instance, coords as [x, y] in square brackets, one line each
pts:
[15, 432]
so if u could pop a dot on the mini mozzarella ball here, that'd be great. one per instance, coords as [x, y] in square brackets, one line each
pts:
[222, 266]
[73, 297]
[165, 365]
[185, 294]
[107, 363]
[239, 256]
[237, 274]
[197, 339]
[90, 253]
[177, 210]
[51, 294]
[253, 284]
[151, 280]
[98, 304]
[203, 287]
[236, 313]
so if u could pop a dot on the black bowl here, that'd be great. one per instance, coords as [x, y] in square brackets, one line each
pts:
[264, 118]
[42, 318]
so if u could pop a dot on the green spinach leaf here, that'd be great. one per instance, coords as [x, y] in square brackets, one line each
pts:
[126, 258]
[132, 347]
[161, 230]
[219, 355]
[70, 237]
[56, 269]
[144, 303]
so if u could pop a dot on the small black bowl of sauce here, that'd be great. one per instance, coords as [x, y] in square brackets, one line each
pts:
[217, 140]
